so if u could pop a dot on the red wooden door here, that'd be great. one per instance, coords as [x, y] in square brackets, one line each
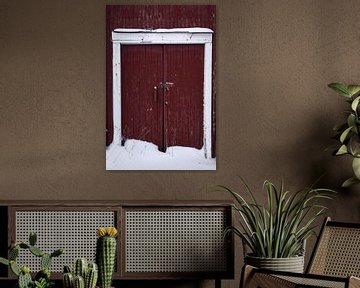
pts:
[184, 99]
[162, 94]
[141, 71]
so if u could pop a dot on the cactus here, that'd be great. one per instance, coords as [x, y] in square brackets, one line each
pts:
[44, 273]
[36, 251]
[24, 280]
[42, 278]
[79, 282]
[80, 268]
[32, 238]
[24, 245]
[14, 268]
[67, 269]
[57, 252]
[89, 272]
[13, 253]
[68, 280]
[91, 276]
[45, 261]
[105, 254]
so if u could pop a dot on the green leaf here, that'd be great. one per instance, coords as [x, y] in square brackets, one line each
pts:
[340, 88]
[355, 103]
[279, 228]
[342, 150]
[356, 167]
[345, 134]
[349, 182]
[354, 145]
[353, 89]
[351, 120]
[4, 261]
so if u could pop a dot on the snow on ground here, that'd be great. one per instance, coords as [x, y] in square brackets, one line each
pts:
[141, 155]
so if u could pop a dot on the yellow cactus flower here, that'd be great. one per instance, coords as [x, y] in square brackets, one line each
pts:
[106, 231]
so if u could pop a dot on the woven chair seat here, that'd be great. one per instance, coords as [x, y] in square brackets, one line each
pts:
[335, 262]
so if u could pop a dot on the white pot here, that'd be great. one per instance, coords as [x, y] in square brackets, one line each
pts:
[291, 264]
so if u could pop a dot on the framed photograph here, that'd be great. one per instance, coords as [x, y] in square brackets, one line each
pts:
[160, 96]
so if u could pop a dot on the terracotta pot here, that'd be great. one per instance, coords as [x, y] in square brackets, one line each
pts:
[291, 264]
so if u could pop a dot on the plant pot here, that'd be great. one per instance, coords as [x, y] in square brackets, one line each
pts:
[291, 264]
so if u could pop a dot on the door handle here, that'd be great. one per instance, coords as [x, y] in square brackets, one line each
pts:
[168, 85]
[155, 93]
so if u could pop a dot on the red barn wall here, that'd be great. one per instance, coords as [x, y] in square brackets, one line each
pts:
[153, 17]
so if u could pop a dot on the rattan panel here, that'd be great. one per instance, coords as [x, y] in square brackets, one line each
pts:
[338, 253]
[75, 231]
[313, 282]
[175, 241]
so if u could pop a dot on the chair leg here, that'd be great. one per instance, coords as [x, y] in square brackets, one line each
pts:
[246, 273]
[217, 282]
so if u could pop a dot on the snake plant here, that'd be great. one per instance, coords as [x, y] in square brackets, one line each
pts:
[348, 133]
[279, 228]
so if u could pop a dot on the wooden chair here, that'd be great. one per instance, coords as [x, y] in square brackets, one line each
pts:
[334, 263]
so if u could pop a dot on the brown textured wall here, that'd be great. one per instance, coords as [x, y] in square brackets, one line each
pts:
[274, 112]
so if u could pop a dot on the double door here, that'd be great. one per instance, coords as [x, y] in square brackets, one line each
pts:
[162, 94]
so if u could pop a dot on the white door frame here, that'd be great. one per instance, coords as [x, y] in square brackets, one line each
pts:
[163, 36]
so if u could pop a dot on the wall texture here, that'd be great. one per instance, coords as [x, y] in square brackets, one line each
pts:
[274, 111]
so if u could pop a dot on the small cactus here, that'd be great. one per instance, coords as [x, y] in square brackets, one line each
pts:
[44, 273]
[91, 276]
[32, 238]
[13, 253]
[24, 277]
[80, 268]
[42, 278]
[57, 252]
[106, 254]
[68, 280]
[14, 268]
[45, 261]
[84, 274]
[36, 251]
[24, 246]
[79, 282]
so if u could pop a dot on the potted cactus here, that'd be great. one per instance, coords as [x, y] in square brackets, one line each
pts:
[85, 275]
[42, 278]
[106, 254]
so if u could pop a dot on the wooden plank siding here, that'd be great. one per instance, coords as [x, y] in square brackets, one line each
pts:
[153, 17]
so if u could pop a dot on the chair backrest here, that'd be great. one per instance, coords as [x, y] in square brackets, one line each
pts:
[337, 251]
